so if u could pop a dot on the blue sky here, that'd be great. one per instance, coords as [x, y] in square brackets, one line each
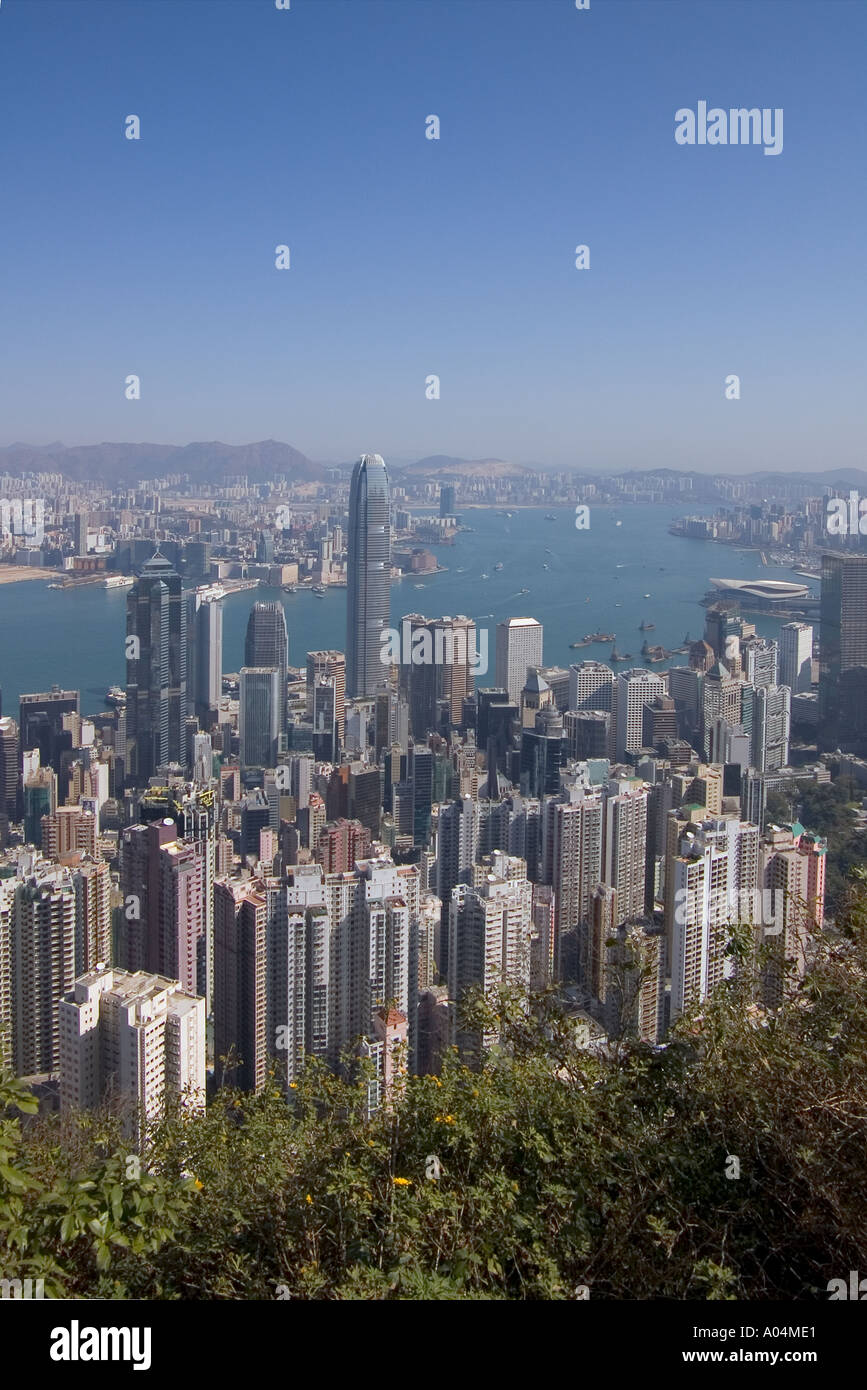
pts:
[455, 257]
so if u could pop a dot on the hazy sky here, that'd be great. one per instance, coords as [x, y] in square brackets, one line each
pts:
[456, 257]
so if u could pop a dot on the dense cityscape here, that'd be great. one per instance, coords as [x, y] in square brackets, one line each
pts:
[258, 867]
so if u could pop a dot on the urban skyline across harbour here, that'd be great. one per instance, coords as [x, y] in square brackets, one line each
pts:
[596, 581]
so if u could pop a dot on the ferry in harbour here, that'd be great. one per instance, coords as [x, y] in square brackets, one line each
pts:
[118, 581]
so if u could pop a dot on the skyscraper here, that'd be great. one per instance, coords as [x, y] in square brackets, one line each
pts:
[368, 572]
[633, 690]
[796, 657]
[156, 671]
[259, 715]
[328, 663]
[843, 653]
[519, 646]
[267, 644]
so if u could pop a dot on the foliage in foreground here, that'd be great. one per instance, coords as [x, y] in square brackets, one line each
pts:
[557, 1169]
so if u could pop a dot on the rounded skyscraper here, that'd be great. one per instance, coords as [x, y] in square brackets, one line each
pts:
[368, 575]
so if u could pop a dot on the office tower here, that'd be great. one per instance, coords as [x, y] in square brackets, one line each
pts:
[139, 1038]
[543, 753]
[420, 770]
[710, 876]
[463, 651]
[796, 657]
[156, 671]
[659, 722]
[591, 686]
[490, 931]
[267, 645]
[624, 845]
[203, 759]
[497, 717]
[519, 646]
[40, 800]
[205, 670]
[259, 716]
[325, 742]
[240, 995]
[633, 690]
[42, 965]
[79, 532]
[721, 699]
[447, 500]
[42, 721]
[10, 776]
[329, 664]
[256, 816]
[368, 574]
[684, 687]
[759, 661]
[572, 865]
[843, 654]
[770, 731]
[300, 768]
[68, 829]
[536, 695]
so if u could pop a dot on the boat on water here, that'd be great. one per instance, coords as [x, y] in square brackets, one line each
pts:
[647, 595]
[573, 646]
[54, 586]
[460, 571]
[289, 589]
[118, 581]
[599, 636]
[646, 626]
[484, 576]
[116, 695]
[615, 656]
[318, 590]
[546, 567]
[524, 591]
[498, 565]
[549, 516]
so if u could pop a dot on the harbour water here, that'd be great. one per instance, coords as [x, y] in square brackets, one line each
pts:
[597, 580]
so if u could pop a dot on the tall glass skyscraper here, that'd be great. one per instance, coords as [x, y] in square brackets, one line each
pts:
[156, 671]
[267, 644]
[368, 575]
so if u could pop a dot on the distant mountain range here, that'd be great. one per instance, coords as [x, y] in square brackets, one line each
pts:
[262, 461]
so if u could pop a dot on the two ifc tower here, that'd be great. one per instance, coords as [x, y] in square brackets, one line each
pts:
[368, 574]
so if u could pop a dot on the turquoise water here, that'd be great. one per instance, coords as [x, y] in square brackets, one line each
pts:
[76, 638]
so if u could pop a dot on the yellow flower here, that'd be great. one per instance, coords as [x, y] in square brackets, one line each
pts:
[198, 1185]
[444, 1119]
[402, 1182]
[293, 1085]
[369, 1196]
[309, 1199]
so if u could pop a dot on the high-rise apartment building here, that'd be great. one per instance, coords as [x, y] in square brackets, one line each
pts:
[368, 573]
[572, 865]
[624, 845]
[137, 1038]
[42, 931]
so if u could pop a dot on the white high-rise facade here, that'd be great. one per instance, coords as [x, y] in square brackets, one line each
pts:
[490, 930]
[138, 1037]
[624, 846]
[633, 691]
[796, 657]
[519, 646]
